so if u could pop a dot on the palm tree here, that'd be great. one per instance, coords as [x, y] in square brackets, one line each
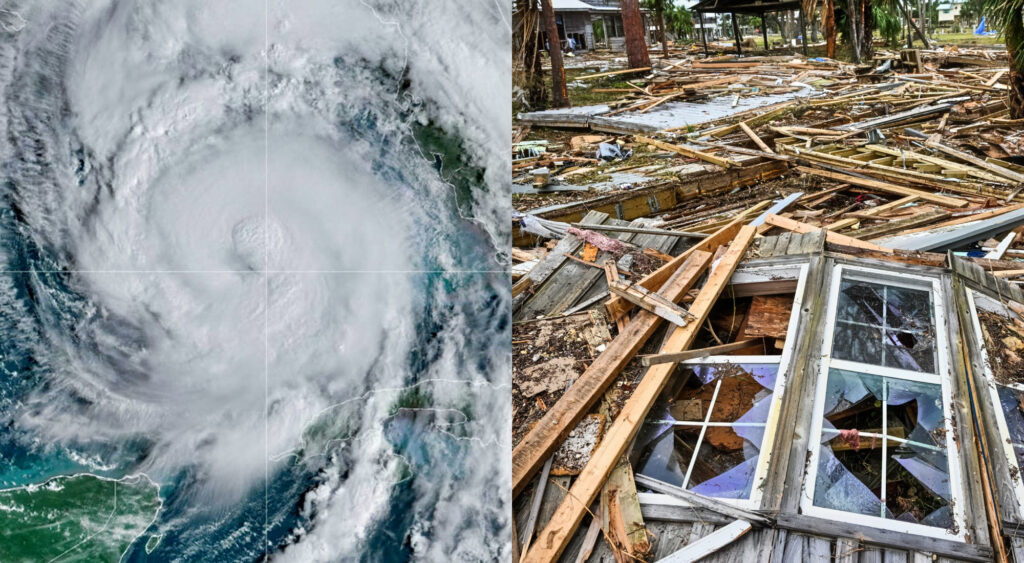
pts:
[1006, 15]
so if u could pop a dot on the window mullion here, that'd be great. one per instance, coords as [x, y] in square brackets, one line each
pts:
[700, 437]
[885, 441]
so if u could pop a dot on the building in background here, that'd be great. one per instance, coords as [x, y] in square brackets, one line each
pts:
[595, 24]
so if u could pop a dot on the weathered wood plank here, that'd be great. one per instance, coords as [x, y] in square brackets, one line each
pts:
[710, 543]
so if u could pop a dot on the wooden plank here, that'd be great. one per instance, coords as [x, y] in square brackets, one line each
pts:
[883, 537]
[562, 417]
[768, 316]
[613, 73]
[894, 556]
[649, 301]
[618, 306]
[847, 550]
[870, 555]
[1017, 177]
[710, 543]
[535, 502]
[593, 532]
[753, 137]
[942, 200]
[701, 501]
[818, 550]
[833, 238]
[777, 208]
[654, 359]
[1004, 244]
[621, 509]
[686, 151]
[556, 535]
[844, 223]
[901, 225]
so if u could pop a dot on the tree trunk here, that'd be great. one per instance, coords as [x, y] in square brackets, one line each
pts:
[633, 25]
[851, 17]
[828, 19]
[867, 30]
[661, 27]
[559, 96]
[532, 63]
[1014, 33]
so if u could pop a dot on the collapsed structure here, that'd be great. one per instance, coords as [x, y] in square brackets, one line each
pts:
[769, 309]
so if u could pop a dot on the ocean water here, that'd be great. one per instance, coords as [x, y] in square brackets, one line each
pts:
[254, 252]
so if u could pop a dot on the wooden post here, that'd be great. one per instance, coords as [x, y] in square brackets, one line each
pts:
[559, 95]
[736, 34]
[636, 38]
[764, 32]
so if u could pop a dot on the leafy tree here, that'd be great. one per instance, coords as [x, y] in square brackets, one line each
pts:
[1006, 15]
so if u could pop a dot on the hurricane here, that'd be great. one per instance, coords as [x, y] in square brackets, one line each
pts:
[253, 292]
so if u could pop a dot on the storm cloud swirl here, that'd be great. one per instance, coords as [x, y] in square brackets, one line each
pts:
[252, 250]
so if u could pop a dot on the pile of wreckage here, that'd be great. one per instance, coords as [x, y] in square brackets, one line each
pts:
[792, 330]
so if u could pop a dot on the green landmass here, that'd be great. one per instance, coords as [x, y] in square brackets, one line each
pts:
[75, 518]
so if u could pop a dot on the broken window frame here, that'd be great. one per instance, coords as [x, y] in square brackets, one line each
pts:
[785, 363]
[942, 378]
[993, 389]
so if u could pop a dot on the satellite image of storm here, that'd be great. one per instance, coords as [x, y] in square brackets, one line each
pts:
[253, 286]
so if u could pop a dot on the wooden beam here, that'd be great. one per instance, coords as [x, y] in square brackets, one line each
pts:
[834, 238]
[676, 357]
[618, 306]
[686, 151]
[700, 501]
[554, 538]
[877, 210]
[613, 73]
[999, 250]
[709, 544]
[994, 168]
[650, 301]
[562, 417]
[753, 137]
[942, 200]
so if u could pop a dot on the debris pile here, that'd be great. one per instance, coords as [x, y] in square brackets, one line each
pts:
[744, 310]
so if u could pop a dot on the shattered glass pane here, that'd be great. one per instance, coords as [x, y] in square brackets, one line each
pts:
[1012, 401]
[728, 447]
[909, 434]
[884, 325]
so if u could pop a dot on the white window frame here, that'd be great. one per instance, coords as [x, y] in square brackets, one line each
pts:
[784, 361]
[993, 390]
[941, 378]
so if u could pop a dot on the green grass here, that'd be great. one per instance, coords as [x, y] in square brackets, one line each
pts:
[966, 39]
[78, 518]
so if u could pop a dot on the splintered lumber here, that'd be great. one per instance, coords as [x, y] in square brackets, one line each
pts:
[701, 501]
[639, 230]
[753, 137]
[768, 316]
[994, 168]
[649, 301]
[834, 238]
[942, 200]
[779, 207]
[563, 416]
[897, 225]
[676, 357]
[618, 306]
[620, 508]
[556, 535]
[685, 151]
[710, 543]
[613, 73]
[843, 223]
[1004, 244]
